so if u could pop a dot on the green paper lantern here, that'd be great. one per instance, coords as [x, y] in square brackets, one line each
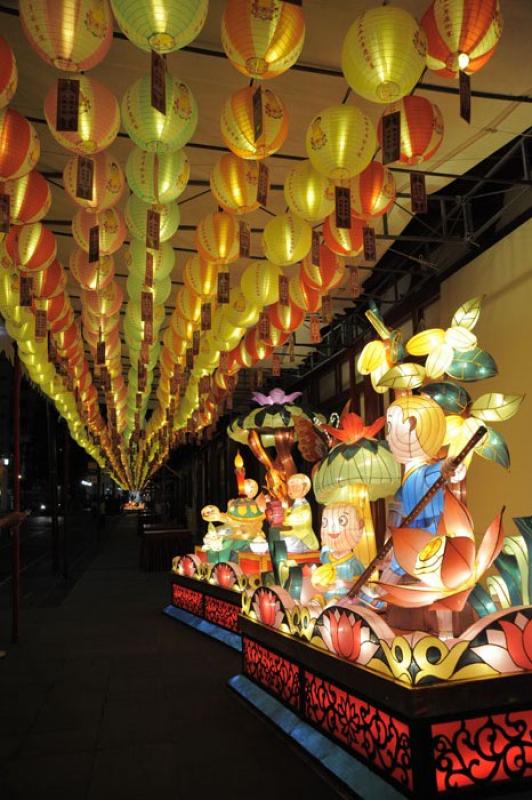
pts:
[137, 215]
[157, 178]
[163, 25]
[163, 260]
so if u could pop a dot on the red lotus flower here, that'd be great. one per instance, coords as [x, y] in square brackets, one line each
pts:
[268, 609]
[352, 428]
[224, 575]
[519, 640]
[188, 567]
[341, 633]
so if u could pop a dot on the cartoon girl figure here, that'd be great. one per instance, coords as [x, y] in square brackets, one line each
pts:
[272, 107]
[318, 137]
[182, 103]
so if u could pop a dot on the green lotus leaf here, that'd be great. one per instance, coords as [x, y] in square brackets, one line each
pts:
[493, 447]
[452, 397]
[472, 365]
[496, 407]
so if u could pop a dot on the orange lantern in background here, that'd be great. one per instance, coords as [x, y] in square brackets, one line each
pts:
[8, 73]
[71, 35]
[234, 184]
[329, 273]
[32, 247]
[217, 238]
[98, 118]
[262, 40]
[461, 35]
[303, 296]
[105, 302]
[57, 307]
[50, 281]
[188, 304]
[30, 198]
[344, 241]
[200, 276]
[372, 191]
[95, 275]
[237, 124]
[19, 145]
[112, 229]
[421, 128]
[285, 318]
[108, 182]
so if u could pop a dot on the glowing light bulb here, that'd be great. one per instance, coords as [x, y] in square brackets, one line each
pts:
[463, 60]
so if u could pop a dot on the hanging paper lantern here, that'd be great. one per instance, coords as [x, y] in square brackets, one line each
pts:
[71, 35]
[58, 308]
[153, 131]
[19, 145]
[217, 238]
[200, 276]
[237, 124]
[137, 217]
[188, 304]
[344, 241]
[340, 142]
[157, 178]
[260, 283]
[30, 198]
[98, 118]
[95, 275]
[421, 128]
[303, 296]
[106, 302]
[286, 239]
[8, 73]
[163, 259]
[308, 194]
[262, 40]
[108, 182]
[285, 318]
[160, 291]
[461, 35]
[49, 282]
[327, 275]
[372, 191]
[163, 26]
[112, 229]
[32, 247]
[383, 54]
[240, 311]
[234, 184]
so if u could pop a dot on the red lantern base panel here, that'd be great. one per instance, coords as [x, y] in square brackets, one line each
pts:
[212, 603]
[460, 738]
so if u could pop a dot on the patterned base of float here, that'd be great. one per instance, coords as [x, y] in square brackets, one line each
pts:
[218, 608]
[459, 739]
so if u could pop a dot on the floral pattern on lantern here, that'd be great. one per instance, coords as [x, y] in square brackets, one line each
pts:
[157, 178]
[217, 238]
[340, 142]
[98, 118]
[19, 145]
[148, 128]
[136, 215]
[262, 40]
[112, 229]
[71, 35]
[8, 73]
[30, 198]
[286, 239]
[234, 183]
[237, 126]
[344, 241]
[421, 128]
[372, 191]
[163, 26]
[107, 185]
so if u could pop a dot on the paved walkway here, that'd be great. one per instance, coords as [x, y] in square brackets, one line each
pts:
[107, 698]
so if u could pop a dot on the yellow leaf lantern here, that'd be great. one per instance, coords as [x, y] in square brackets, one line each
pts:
[111, 234]
[344, 241]
[286, 239]
[19, 145]
[164, 25]
[421, 128]
[148, 128]
[136, 216]
[260, 283]
[93, 275]
[31, 247]
[30, 198]
[340, 142]
[188, 304]
[107, 186]
[157, 178]
[8, 73]
[71, 35]
[383, 54]
[234, 184]
[237, 124]
[262, 40]
[200, 276]
[98, 118]
[308, 194]
[217, 238]
[163, 259]
[461, 35]
[372, 191]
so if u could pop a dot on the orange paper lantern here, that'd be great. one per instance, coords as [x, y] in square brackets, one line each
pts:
[344, 241]
[285, 318]
[19, 145]
[237, 124]
[112, 229]
[329, 273]
[217, 238]
[30, 198]
[106, 302]
[92, 276]
[107, 186]
[303, 296]
[372, 191]
[49, 282]
[8, 73]
[32, 247]
[421, 128]
[200, 276]
[234, 184]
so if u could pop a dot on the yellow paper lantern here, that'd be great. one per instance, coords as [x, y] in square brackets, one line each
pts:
[340, 142]
[136, 216]
[383, 54]
[286, 239]
[217, 238]
[241, 311]
[8, 73]
[260, 283]
[188, 304]
[163, 259]
[234, 184]
[200, 276]
[262, 40]
[308, 194]
[153, 131]
[107, 186]
[237, 123]
[71, 35]
[164, 25]
[98, 118]
[157, 178]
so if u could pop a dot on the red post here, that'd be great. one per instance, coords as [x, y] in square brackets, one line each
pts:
[15, 533]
